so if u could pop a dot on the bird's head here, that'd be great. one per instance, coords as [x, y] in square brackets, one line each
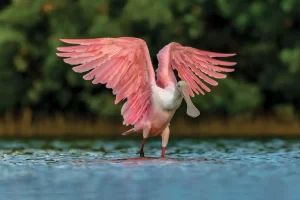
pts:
[183, 89]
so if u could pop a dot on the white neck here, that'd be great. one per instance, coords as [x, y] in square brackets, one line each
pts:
[169, 98]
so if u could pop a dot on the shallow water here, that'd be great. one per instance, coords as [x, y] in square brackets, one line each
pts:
[108, 169]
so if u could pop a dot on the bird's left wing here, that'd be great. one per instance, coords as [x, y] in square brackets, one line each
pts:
[193, 65]
[123, 64]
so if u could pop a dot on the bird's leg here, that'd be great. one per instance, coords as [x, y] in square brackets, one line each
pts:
[142, 148]
[128, 132]
[146, 130]
[164, 140]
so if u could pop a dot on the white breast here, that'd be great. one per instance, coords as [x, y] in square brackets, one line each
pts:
[167, 98]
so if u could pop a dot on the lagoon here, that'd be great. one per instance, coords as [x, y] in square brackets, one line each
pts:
[220, 169]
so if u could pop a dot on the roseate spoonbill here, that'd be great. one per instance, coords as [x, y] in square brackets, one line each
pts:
[124, 65]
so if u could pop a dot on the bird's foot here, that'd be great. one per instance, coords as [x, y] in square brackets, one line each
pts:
[128, 132]
[163, 151]
[142, 155]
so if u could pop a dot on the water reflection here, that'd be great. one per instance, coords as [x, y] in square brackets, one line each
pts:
[194, 169]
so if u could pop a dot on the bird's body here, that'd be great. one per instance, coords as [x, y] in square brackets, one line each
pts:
[124, 65]
[165, 101]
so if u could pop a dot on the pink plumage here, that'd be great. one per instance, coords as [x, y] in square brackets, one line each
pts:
[124, 65]
[192, 65]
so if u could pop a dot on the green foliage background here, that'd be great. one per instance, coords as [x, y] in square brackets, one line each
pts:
[265, 34]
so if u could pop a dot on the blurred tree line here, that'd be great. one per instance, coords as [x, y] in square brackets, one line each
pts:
[264, 33]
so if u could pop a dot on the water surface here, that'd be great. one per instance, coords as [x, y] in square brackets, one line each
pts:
[111, 169]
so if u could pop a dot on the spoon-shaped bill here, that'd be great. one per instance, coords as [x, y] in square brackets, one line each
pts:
[191, 108]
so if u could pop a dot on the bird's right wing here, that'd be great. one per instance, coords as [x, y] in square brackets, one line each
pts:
[193, 66]
[123, 64]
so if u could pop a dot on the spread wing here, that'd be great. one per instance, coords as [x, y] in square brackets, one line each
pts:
[194, 66]
[123, 64]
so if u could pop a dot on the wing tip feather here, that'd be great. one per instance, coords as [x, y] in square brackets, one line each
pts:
[60, 49]
[75, 69]
[68, 61]
[223, 76]
[59, 54]
[69, 41]
[230, 54]
[232, 63]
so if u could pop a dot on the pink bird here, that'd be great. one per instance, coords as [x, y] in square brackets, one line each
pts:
[124, 65]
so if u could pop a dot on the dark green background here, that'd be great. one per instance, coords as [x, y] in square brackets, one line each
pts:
[265, 34]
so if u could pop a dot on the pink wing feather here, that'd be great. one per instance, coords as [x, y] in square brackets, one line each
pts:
[123, 64]
[193, 65]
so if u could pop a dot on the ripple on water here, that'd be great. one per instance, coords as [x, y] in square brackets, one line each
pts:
[194, 169]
